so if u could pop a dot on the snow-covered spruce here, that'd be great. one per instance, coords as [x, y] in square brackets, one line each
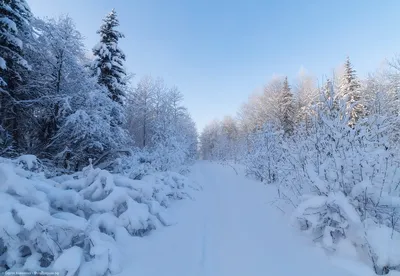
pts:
[74, 223]
[108, 64]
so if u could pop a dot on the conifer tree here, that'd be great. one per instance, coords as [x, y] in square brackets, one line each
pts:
[14, 23]
[350, 89]
[109, 58]
[286, 106]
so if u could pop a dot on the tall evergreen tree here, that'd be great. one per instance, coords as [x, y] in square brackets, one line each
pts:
[14, 24]
[109, 58]
[286, 106]
[14, 16]
[350, 89]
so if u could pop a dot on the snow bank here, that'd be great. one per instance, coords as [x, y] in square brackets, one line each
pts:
[74, 224]
[384, 245]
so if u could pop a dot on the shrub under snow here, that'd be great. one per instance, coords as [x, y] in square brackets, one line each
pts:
[339, 174]
[344, 185]
[72, 224]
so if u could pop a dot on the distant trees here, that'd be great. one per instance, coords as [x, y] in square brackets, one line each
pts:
[159, 122]
[141, 111]
[231, 138]
[306, 94]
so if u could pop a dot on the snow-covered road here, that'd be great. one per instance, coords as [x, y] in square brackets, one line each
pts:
[230, 229]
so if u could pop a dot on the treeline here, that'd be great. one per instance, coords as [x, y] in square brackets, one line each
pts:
[333, 153]
[68, 107]
[291, 107]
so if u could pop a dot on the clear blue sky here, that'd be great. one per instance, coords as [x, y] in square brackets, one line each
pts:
[218, 51]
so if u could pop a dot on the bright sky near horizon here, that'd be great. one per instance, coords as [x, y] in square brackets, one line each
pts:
[218, 52]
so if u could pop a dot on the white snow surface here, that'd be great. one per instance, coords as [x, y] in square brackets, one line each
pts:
[229, 229]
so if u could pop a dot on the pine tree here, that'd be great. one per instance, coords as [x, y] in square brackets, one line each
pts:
[14, 23]
[286, 106]
[14, 16]
[109, 58]
[350, 89]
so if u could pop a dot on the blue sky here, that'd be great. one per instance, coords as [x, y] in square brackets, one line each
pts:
[218, 52]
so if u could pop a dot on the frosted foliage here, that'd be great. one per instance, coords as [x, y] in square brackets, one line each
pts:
[337, 170]
[265, 155]
[74, 225]
[161, 127]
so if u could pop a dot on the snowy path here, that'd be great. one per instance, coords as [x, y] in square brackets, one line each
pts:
[229, 230]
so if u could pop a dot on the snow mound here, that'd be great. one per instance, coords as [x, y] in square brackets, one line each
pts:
[384, 244]
[75, 224]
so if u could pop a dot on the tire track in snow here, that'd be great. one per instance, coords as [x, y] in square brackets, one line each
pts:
[203, 249]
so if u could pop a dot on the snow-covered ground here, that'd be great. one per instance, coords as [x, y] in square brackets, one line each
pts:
[229, 229]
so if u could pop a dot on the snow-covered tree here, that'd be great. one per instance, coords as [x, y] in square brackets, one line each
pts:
[109, 60]
[251, 114]
[160, 124]
[60, 102]
[338, 171]
[231, 132]
[15, 16]
[141, 111]
[265, 156]
[174, 134]
[286, 108]
[90, 131]
[306, 94]
[57, 76]
[350, 89]
[14, 20]
[223, 141]
[210, 144]
[262, 108]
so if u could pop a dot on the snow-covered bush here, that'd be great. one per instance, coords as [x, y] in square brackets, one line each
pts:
[350, 175]
[134, 166]
[328, 218]
[29, 163]
[90, 131]
[382, 246]
[337, 170]
[73, 224]
[170, 150]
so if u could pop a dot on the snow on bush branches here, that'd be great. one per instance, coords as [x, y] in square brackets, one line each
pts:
[73, 225]
[338, 171]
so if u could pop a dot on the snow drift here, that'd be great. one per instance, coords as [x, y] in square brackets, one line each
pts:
[74, 224]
